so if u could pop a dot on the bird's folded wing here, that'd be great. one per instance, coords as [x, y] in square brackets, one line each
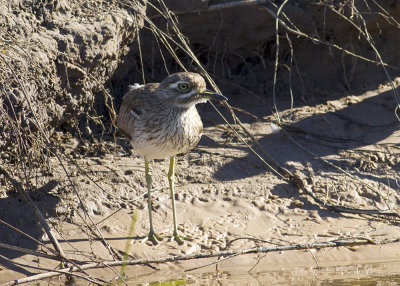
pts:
[133, 105]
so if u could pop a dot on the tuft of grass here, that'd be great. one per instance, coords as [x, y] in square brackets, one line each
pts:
[128, 246]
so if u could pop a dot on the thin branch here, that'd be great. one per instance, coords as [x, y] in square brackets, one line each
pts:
[367, 37]
[259, 3]
[219, 260]
[302, 185]
[315, 259]
[29, 251]
[88, 277]
[301, 34]
[272, 164]
[18, 186]
[28, 236]
[258, 261]
[54, 151]
[276, 58]
[317, 245]
[216, 7]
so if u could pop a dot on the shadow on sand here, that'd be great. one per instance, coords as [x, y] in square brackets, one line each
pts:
[367, 122]
[17, 213]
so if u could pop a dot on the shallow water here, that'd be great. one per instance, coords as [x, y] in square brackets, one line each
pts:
[387, 273]
[379, 274]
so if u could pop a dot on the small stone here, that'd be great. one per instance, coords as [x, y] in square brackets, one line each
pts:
[381, 157]
[107, 228]
[228, 199]
[203, 199]
[179, 197]
[296, 204]
[273, 197]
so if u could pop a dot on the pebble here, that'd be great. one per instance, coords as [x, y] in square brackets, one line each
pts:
[296, 204]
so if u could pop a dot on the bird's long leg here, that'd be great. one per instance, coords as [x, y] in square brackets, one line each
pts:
[152, 236]
[171, 179]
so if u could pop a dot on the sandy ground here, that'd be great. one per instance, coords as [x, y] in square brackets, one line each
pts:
[226, 197]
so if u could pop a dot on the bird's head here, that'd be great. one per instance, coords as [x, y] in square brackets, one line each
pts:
[186, 89]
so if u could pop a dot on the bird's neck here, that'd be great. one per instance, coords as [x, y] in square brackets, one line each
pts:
[188, 113]
[185, 109]
[191, 105]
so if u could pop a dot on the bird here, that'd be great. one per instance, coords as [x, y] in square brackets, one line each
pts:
[161, 121]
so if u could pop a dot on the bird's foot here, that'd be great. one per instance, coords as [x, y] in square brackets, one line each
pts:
[179, 239]
[154, 238]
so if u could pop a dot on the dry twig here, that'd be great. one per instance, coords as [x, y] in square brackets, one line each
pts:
[18, 186]
[317, 245]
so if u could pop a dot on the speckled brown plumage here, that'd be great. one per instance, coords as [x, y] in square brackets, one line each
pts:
[161, 121]
[158, 122]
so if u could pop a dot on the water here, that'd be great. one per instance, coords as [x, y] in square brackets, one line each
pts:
[376, 274]
[380, 274]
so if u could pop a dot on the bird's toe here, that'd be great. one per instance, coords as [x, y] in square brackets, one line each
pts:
[179, 239]
[154, 238]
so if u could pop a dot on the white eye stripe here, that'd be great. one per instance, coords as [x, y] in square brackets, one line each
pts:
[189, 94]
[175, 84]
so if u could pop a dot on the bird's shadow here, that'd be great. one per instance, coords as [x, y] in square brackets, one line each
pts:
[358, 124]
[23, 223]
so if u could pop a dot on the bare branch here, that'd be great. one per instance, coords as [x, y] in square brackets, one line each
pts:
[18, 186]
[317, 245]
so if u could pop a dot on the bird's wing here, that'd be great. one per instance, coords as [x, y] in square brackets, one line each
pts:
[134, 103]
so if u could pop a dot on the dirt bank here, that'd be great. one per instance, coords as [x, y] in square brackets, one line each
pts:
[340, 132]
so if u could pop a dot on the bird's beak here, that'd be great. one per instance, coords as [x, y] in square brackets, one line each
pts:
[209, 94]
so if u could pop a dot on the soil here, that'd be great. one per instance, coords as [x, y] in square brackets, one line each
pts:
[227, 198]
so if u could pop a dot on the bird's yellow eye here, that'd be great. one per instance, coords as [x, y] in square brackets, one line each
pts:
[182, 87]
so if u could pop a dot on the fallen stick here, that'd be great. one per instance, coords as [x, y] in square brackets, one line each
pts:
[336, 243]
[29, 251]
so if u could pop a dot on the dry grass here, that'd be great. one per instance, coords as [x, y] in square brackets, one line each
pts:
[26, 131]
